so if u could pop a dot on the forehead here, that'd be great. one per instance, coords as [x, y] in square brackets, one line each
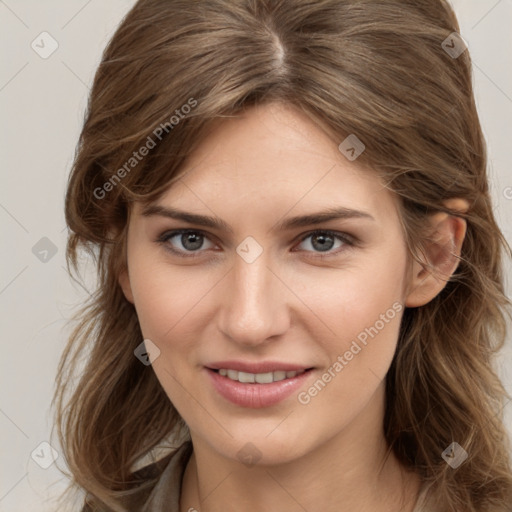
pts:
[274, 157]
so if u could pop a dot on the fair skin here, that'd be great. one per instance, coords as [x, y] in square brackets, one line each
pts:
[288, 304]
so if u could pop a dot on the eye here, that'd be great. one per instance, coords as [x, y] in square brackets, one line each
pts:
[191, 241]
[325, 241]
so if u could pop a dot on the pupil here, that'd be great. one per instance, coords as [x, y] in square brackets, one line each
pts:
[186, 238]
[323, 245]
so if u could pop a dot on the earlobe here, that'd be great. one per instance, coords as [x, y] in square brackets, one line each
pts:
[124, 282]
[441, 255]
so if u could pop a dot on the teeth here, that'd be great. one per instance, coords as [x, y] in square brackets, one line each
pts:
[246, 377]
[280, 375]
[264, 378]
[260, 378]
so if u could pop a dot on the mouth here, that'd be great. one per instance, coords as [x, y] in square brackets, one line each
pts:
[259, 378]
[266, 385]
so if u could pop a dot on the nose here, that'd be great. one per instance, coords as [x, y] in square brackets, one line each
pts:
[253, 303]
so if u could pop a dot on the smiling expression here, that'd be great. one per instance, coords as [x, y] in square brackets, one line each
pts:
[248, 294]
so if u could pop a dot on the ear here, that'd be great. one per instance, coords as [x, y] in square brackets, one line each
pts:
[441, 255]
[124, 282]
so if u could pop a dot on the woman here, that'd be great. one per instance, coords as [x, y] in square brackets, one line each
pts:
[300, 286]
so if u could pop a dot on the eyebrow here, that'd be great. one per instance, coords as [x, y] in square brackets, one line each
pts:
[286, 224]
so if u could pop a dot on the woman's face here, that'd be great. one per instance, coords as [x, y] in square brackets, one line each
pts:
[262, 295]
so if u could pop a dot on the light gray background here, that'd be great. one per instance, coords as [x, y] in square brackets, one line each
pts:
[42, 102]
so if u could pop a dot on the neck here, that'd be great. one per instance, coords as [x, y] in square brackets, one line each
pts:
[354, 470]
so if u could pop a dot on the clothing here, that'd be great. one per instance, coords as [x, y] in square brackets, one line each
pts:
[164, 496]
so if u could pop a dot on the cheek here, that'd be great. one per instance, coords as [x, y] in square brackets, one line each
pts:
[353, 299]
[164, 296]
[363, 312]
[168, 302]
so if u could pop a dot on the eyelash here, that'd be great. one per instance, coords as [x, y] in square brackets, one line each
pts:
[164, 238]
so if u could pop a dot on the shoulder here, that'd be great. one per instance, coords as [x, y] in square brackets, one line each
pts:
[161, 484]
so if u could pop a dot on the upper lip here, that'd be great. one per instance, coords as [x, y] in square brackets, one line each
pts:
[258, 367]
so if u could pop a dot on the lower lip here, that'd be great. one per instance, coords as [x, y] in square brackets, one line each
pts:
[255, 395]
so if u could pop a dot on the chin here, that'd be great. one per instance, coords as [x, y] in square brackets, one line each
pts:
[256, 446]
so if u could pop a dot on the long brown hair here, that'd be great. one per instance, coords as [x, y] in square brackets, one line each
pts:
[379, 70]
